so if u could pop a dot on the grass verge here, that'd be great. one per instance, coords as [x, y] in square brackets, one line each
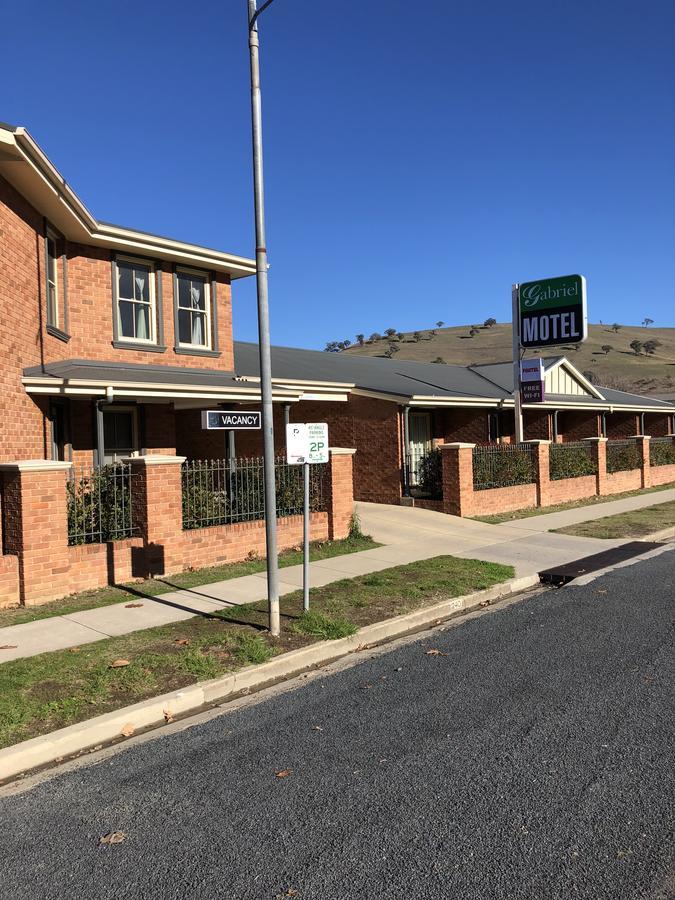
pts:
[498, 518]
[636, 523]
[39, 694]
[153, 587]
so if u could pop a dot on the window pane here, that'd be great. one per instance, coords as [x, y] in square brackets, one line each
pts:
[123, 430]
[142, 283]
[51, 259]
[127, 319]
[198, 329]
[51, 304]
[184, 327]
[197, 294]
[125, 285]
[142, 321]
[183, 291]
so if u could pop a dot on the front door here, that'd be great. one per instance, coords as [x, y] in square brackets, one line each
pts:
[419, 437]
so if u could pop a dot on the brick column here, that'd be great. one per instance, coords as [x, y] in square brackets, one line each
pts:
[35, 525]
[157, 511]
[599, 455]
[543, 452]
[458, 493]
[645, 468]
[340, 492]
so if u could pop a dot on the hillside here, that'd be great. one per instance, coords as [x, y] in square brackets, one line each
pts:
[619, 368]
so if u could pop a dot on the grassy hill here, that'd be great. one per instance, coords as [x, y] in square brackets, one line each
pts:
[619, 368]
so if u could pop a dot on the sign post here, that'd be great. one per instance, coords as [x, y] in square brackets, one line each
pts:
[515, 339]
[306, 443]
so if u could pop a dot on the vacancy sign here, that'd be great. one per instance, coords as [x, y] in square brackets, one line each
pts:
[306, 442]
[219, 419]
[552, 311]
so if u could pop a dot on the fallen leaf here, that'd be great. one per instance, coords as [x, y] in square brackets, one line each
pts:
[182, 641]
[8, 647]
[118, 663]
[484, 603]
[168, 716]
[435, 652]
[284, 773]
[133, 605]
[74, 649]
[114, 837]
[601, 591]
[317, 728]
[291, 892]
[128, 730]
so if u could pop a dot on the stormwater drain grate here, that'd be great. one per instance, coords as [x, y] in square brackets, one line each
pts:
[560, 575]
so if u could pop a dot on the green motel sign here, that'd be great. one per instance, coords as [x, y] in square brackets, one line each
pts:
[552, 311]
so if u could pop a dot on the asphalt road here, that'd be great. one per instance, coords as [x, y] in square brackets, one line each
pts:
[534, 758]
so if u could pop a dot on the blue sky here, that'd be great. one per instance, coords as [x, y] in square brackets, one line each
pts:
[419, 158]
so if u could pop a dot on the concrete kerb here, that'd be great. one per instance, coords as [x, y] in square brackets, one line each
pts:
[60, 745]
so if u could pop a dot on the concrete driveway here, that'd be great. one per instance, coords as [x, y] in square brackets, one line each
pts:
[528, 549]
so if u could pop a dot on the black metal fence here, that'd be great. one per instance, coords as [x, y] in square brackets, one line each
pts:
[223, 491]
[571, 460]
[503, 465]
[622, 456]
[425, 475]
[99, 504]
[662, 451]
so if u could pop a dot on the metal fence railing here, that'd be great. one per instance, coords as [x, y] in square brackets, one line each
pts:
[503, 465]
[223, 491]
[425, 475]
[662, 451]
[622, 456]
[572, 460]
[99, 504]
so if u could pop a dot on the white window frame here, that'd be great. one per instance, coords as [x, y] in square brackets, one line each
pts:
[136, 261]
[207, 308]
[51, 235]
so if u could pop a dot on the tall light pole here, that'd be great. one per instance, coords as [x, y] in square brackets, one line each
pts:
[264, 323]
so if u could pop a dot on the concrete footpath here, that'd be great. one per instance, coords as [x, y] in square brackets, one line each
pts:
[407, 535]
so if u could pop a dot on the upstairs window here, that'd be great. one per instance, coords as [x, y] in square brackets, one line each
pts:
[194, 310]
[135, 284]
[52, 279]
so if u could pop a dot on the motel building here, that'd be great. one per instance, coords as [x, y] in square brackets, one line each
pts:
[116, 341]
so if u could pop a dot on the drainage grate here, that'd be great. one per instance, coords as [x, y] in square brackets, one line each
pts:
[560, 575]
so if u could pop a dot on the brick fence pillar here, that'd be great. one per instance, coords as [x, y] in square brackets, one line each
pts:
[542, 453]
[340, 492]
[35, 527]
[599, 457]
[458, 493]
[157, 512]
[645, 468]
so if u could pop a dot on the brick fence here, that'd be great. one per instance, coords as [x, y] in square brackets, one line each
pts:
[37, 564]
[460, 498]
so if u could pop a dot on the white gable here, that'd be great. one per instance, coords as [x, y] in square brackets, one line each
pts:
[562, 378]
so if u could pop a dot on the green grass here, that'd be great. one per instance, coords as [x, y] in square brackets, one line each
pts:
[636, 523]
[498, 518]
[39, 694]
[193, 578]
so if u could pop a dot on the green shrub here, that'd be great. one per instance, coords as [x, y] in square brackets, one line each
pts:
[99, 505]
[566, 461]
[430, 474]
[662, 453]
[622, 457]
[493, 468]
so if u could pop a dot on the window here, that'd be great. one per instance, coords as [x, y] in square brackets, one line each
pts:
[193, 310]
[135, 299]
[52, 279]
[120, 433]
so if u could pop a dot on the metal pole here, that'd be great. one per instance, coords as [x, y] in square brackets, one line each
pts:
[264, 329]
[406, 451]
[305, 538]
[518, 408]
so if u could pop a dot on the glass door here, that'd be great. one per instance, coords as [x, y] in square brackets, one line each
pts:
[419, 437]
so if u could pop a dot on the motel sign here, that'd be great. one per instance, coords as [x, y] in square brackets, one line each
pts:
[552, 311]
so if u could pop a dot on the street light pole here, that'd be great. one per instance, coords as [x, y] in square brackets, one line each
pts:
[264, 324]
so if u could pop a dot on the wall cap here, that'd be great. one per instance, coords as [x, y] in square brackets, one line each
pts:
[597, 440]
[341, 451]
[36, 465]
[537, 441]
[456, 446]
[642, 437]
[155, 459]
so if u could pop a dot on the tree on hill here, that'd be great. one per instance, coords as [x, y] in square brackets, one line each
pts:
[416, 336]
[390, 332]
[606, 348]
[636, 347]
[346, 343]
[331, 347]
[391, 349]
[616, 327]
[650, 346]
[590, 377]
[400, 336]
[440, 324]
[375, 336]
[439, 359]
[361, 339]
[647, 322]
[473, 330]
[488, 323]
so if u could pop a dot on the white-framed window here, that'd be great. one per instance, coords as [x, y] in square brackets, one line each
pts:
[52, 242]
[120, 432]
[193, 309]
[135, 300]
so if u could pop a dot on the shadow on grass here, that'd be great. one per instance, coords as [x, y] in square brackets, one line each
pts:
[216, 615]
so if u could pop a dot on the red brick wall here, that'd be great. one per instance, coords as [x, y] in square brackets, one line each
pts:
[617, 482]
[622, 425]
[575, 425]
[25, 433]
[657, 424]
[468, 426]
[9, 581]
[537, 425]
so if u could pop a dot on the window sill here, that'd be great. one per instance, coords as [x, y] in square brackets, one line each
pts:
[195, 351]
[57, 333]
[132, 345]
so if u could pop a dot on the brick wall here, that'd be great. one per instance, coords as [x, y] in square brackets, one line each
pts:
[658, 424]
[462, 425]
[575, 425]
[537, 425]
[25, 434]
[622, 425]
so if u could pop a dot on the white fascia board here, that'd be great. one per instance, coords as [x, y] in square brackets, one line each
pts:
[477, 402]
[329, 398]
[381, 395]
